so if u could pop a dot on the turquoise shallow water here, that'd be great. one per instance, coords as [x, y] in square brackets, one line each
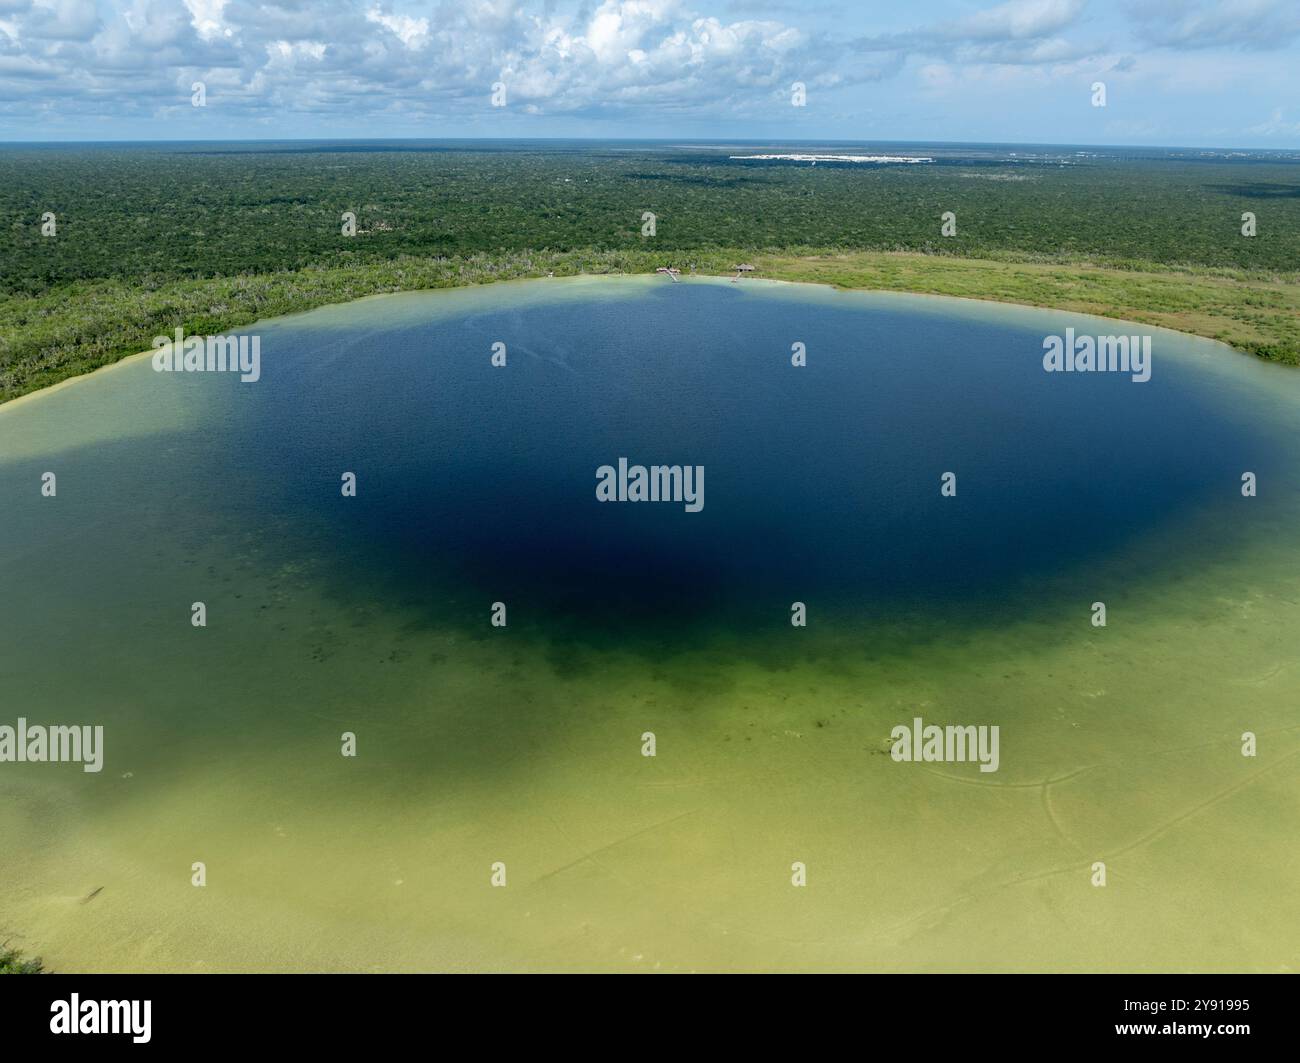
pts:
[523, 744]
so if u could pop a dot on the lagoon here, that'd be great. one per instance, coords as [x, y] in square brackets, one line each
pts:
[477, 744]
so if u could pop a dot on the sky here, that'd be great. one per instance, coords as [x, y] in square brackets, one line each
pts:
[1193, 73]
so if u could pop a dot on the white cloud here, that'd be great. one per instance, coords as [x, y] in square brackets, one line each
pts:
[412, 32]
[291, 51]
[206, 17]
[61, 20]
[1017, 20]
[618, 57]
[1017, 32]
[634, 61]
[1276, 126]
[1247, 24]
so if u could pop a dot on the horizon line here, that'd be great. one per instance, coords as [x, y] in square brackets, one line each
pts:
[636, 140]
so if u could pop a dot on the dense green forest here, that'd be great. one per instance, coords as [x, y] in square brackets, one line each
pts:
[158, 213]
[214, 235]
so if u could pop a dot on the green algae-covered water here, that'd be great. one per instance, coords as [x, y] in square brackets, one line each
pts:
[522, 745]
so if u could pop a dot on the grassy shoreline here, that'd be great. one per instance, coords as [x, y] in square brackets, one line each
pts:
[12, 961]
[49, 338]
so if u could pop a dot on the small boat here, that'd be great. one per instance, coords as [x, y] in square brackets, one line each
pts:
[672, 272]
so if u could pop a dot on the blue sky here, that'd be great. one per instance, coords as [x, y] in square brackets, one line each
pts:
[1215, 73]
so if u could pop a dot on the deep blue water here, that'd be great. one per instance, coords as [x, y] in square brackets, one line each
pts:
[822, 483]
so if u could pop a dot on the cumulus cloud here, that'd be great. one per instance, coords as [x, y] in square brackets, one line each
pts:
[433, 63]
[265, 55]
[206, 18]
[412, 32]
